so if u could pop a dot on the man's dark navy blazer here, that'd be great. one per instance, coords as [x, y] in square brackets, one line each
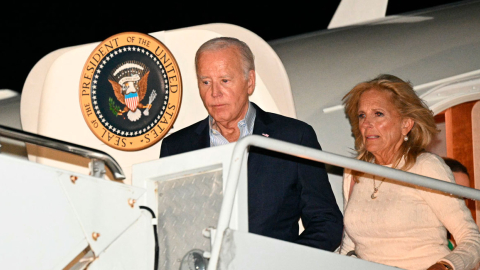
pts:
[281, 188]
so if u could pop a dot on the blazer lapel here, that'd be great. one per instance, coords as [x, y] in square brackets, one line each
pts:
[262, 123]
[261, 127]
[203, 135]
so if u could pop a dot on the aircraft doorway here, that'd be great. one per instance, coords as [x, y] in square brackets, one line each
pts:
[459, 138]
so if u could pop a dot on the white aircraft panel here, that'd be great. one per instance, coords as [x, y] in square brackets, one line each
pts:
[242, 250]
[39, 228]
[103, 207]
[147, 174]
[134, 249]
[354, 11]
[175, 219]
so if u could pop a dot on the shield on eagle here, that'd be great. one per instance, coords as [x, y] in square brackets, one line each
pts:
[131, 100]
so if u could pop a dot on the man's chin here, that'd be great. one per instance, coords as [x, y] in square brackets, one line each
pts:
[219, 113]
[220, 118]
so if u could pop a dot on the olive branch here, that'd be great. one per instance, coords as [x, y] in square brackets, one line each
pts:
[114, 108]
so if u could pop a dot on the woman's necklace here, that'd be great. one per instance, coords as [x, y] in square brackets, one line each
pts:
[375, 189]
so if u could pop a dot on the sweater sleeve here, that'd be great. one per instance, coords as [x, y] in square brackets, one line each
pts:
[453, 214]
[347, 243]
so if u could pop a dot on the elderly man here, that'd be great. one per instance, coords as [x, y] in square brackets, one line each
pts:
[281, 189]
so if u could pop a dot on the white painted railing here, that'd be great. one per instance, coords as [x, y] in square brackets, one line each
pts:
[239, 158]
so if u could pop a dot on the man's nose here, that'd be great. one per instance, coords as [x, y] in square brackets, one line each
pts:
[216, 90]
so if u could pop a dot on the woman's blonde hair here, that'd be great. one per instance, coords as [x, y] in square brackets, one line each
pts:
[408, 105]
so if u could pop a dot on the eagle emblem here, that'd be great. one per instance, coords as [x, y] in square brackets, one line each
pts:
[129, 83]
[130, 95]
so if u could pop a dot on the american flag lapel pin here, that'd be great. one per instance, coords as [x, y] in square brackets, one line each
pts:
[265, 134]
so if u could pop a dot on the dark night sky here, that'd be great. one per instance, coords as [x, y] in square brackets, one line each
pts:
[30, 31]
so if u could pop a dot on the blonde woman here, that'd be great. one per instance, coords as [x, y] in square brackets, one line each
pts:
[390, 222]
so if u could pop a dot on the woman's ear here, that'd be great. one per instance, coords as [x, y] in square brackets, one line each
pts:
[407, 125]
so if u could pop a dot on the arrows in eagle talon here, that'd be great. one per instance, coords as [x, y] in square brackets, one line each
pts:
[152, 97]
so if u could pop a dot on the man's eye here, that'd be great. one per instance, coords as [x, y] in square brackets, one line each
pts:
[224, 80]
[206, 82]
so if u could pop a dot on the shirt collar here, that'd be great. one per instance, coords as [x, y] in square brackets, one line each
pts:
[245, 125]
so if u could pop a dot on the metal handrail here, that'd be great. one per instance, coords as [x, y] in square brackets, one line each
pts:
[76, 149]
[241, 149]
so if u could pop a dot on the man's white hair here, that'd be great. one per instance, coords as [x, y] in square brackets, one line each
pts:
[216, 44]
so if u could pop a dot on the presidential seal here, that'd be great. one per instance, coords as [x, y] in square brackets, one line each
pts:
[130, 91]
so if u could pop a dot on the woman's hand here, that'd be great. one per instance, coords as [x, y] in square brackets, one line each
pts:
[440, 266]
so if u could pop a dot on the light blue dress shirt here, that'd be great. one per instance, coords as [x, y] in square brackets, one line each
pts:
[245, 125]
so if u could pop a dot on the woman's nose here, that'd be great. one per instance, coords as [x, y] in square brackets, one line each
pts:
[366, 122]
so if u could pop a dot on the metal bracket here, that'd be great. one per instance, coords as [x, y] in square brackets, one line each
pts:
[97, 168]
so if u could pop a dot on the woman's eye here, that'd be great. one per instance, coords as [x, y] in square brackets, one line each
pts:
[379, 114]
[361, 116]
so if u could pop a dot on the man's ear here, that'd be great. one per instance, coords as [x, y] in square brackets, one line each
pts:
[251, 82]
